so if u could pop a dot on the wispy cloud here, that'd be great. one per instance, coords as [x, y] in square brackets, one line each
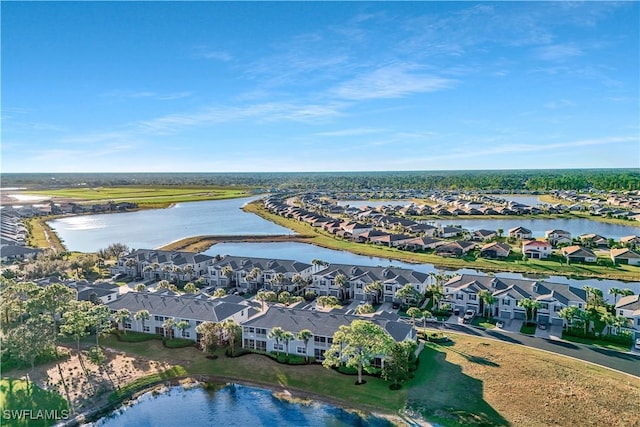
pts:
[558, 52]
[130, 94]
[205, 52]
[392, 81]
[350, 132]
[553, 105]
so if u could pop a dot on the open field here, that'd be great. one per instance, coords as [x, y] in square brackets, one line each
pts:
[474, 381]
[324, 239]
[202, 243]
[145, 197]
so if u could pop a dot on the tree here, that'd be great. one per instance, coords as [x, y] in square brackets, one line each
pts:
[210, 336]
[142, 316]
[131, 265]
[30, 339]
[342, 283]
[163, 284]
[425, 314]
[233, 332]
[140, 287]
[408, 294]
[188, 271]
[284, 298]
[374, 289]
[304, 336]
[569, 314]
[488, 300]
[227, 272]
[262, 297]
[100, 317]
[219, 293]
[190, 288]
[595, 297]
[615, 292]
[287, 337]
[328, 301]
[278, 281]
[530, 307]
[121, 316]
[364, 309]
[167, 327]
[414, 312]
[436, 291]
[276, 334]
[397, 366]
[183, 325]
[357, 345]
[76, 321]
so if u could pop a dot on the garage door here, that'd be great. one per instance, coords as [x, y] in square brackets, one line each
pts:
[543, 318]
[557, 322]
[518, 315]
[505, 315]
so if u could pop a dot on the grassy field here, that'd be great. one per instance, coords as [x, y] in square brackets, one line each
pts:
[324, 239]
[472, 382]
[145, 197]
[17, 395]
[42, 236]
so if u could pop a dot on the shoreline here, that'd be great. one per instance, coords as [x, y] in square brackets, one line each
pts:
[290, 394]
[203, 243]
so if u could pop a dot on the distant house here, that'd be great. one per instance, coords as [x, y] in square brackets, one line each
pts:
[556, 237]
[629, 307]
[594, 240]
[630, 241]
[536, 249]
[625, 256]
[448, 232]
[495, 250]
[457, 248]
[520, 233]
[483, 235]
[577, 253]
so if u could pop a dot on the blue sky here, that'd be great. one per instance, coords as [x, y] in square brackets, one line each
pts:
[318, 86]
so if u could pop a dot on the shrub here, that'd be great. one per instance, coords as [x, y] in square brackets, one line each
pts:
[136, 336]
[178, 343]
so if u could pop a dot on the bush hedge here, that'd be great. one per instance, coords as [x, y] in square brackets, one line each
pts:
[178, 343]
[133, 336]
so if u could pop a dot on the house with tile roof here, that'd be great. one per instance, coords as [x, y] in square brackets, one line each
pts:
[255, 332]
[193, 309]
[155, 264]
[578, 253]
[536, 249]
[520, 233]
[495, 250]
[625, 256]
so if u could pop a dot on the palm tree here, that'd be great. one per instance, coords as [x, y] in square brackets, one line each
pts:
[436, 291]
[121, 316]
[276, 334]
[414, 312]
[488, 300]
[278, 280]
[140, 287]
[190, 288]
[530, 306]
[183, 325]
[141, 316]
[220, 292]
[167, 269]
[188, 271]
[375, 289]
[254, 274]
[615, 292]
[425, 315]
[342, 282]
[162, 284]
[304, 336]
[231, 330]
[287, 337]
[168, 325]
[227, 271]
[262, 297]
[130, 263]
[177, 271]
[147, 269]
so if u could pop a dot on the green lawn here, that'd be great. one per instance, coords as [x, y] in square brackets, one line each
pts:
[146, 196]
[528, 329]
[484, 322]
[597, 342]
[33, 406]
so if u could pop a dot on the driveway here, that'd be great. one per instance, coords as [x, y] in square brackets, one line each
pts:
[513, 325]
[552, 332]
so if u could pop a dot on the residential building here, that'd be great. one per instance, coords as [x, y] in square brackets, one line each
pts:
[577, 253]
[536, 249]
[520, 233]
[625, 256]
[495, 250]
[629, 307]
[558, 237]
[255, 332]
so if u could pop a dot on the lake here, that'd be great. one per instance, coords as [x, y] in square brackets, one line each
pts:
[151, 228]
[306, 252]
[231, 405]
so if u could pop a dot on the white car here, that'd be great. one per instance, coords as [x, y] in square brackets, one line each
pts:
[500, 324]
[638, 343]
[468, 316]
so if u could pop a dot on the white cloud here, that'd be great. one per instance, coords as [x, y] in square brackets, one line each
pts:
[204, 52]
[558, 52]
[392, 81]
[553, 105]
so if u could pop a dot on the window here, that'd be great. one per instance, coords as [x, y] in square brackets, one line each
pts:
[145, 329]
[109, 298]
[300, 350]
[319, 354]
[459, 296]
[506, 302]
[473, 297]
[278, 347]
[544, 306]
[579, 305]
[198, 322]
[556, 308]
[261, 345]
[127, 325]
[388, 288]
[261, 331]
[159, 318]
[330, 340]
[319, 339]
[186, 334]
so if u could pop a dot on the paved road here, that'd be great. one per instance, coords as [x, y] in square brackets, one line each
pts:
[624, 362]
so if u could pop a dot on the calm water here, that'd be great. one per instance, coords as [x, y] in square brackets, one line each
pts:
[156, 227]
[305, 252]
[538, 227]
[233, 405]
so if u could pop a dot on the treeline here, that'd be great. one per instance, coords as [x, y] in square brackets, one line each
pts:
[513, 180]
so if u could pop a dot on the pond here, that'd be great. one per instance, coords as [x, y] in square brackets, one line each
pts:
[156, 227]
[231, 405]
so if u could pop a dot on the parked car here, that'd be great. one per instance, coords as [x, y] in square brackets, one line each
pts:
[500, 324]
[638, 342]
[468, 316]
[119, 276]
